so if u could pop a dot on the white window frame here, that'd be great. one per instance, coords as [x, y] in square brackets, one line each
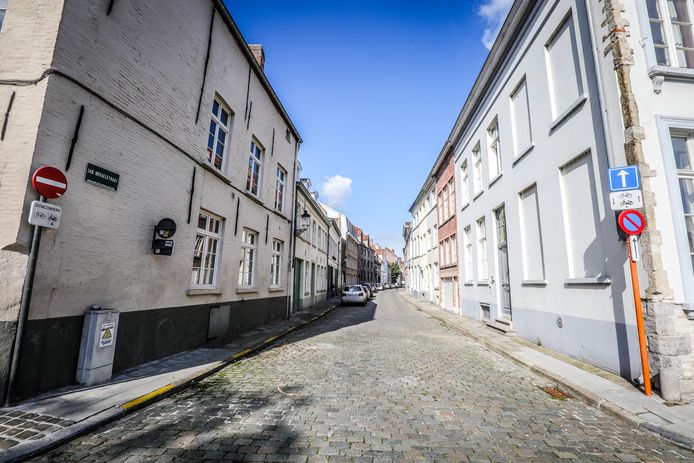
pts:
[666, 127]
[256, 153]
[203, 238]
[219, 128]
[451, 197]
[276, 263]
[482, 258]
[446, 203]
[669, 37]
[494, 150]
[467, 251]
[249, 258]
[477, 186]
[465, 189]
[3, 12]
[280, 188]
[454, 250]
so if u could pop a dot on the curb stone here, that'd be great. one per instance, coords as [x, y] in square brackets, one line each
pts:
[585, 395]
[31, 449]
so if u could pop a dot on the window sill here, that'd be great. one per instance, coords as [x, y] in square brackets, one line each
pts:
[483, 283]
[534, 283]
[276, 290]
[590, 281]
[218, 173]
[203, 292]
[495, 179]
[246, 290]
[468, 283]
[671, 72]
[563, 117]
[477, 195]
[464, 206]
[253, 197]
[523, 154]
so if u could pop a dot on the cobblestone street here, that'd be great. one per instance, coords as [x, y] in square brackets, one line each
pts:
[364, 384]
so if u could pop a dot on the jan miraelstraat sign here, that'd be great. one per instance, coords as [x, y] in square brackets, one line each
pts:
[101, 177]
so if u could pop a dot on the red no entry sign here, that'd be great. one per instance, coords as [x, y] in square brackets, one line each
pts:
[49, 182]
[631, 222]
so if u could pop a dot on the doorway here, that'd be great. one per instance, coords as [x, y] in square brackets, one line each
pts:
[313, 283]
[297, 285]
[502, 259]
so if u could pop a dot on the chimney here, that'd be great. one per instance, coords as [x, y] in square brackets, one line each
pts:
[258, 53]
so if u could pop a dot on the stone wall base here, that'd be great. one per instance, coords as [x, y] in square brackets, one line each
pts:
[670, 334]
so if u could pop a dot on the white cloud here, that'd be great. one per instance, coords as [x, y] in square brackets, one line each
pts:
[494, 13]
[336, 190]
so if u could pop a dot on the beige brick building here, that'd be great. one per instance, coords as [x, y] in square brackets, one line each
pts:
[173, 101]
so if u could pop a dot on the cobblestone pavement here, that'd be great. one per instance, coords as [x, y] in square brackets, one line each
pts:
[378, 383]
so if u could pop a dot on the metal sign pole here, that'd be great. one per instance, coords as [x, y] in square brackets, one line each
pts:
[639, 322]
[23, 312]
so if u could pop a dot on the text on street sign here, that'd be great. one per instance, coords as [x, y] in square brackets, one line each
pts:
[44, 214]
[101, 177]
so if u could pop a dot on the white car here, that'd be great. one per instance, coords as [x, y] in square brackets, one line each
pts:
[354, 294]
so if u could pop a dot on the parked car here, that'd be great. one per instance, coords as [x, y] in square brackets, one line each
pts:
[354, 294]
[369, 291]
[379, 287]
[388, 286]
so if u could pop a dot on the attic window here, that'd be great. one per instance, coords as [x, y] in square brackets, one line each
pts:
[288, 135]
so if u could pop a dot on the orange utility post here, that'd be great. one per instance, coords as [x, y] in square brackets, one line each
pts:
[639, 323]
[633, 223]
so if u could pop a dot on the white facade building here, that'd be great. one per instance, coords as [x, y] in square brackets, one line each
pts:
[205, 142]
[423, 263]
[539, 250]
[313, 265]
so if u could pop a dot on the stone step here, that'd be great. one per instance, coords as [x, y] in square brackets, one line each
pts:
[503, 326]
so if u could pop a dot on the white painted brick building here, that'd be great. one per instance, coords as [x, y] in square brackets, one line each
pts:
[149, 93]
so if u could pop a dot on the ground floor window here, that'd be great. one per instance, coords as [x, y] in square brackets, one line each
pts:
[206, 253]
[249, 241]
[276, 264]
[683, 148]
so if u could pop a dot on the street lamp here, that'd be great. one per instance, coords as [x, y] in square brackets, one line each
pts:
[305, 223]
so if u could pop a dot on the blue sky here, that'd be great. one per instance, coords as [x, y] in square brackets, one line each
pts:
[374, 87]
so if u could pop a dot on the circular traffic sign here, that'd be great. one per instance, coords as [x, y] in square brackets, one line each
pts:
[49, 182]
[631, 222]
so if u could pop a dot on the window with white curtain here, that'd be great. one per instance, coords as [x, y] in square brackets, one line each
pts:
[482, 271]
[467, 253]
[494, 154]
[249, 240]
[671, 32]
[206, 252]
[476, 169]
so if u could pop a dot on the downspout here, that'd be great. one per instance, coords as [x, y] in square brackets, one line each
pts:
[292, 237]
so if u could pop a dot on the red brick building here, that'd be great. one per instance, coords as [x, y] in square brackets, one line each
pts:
[444, 173]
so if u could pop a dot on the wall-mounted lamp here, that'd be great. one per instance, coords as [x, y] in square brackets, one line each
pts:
[304, 224]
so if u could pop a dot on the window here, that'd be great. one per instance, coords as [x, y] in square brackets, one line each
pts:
[276, 264]
[494, 149]
[255, 160]
[219, 131]
[279, 188]
[672, 32]
[586, 257]
[467, 251]
[307, 277]
[451, 197]
[482, 273]
[454, 251]
[3, 9]
[464, 183]
[531, 236]
[683, 146]
[440, 204]
[313, 232]
[249, 240]
[520, 119]
[206, 252]
[446, 204]
[476, 169]
[565, 83]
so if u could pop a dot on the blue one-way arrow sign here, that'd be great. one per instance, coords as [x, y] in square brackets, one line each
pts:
[624, 178]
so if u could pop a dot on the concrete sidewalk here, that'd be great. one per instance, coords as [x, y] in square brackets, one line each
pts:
[603, 390]
[51, 419]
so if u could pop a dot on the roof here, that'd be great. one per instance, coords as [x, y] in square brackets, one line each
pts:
[245, 49]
